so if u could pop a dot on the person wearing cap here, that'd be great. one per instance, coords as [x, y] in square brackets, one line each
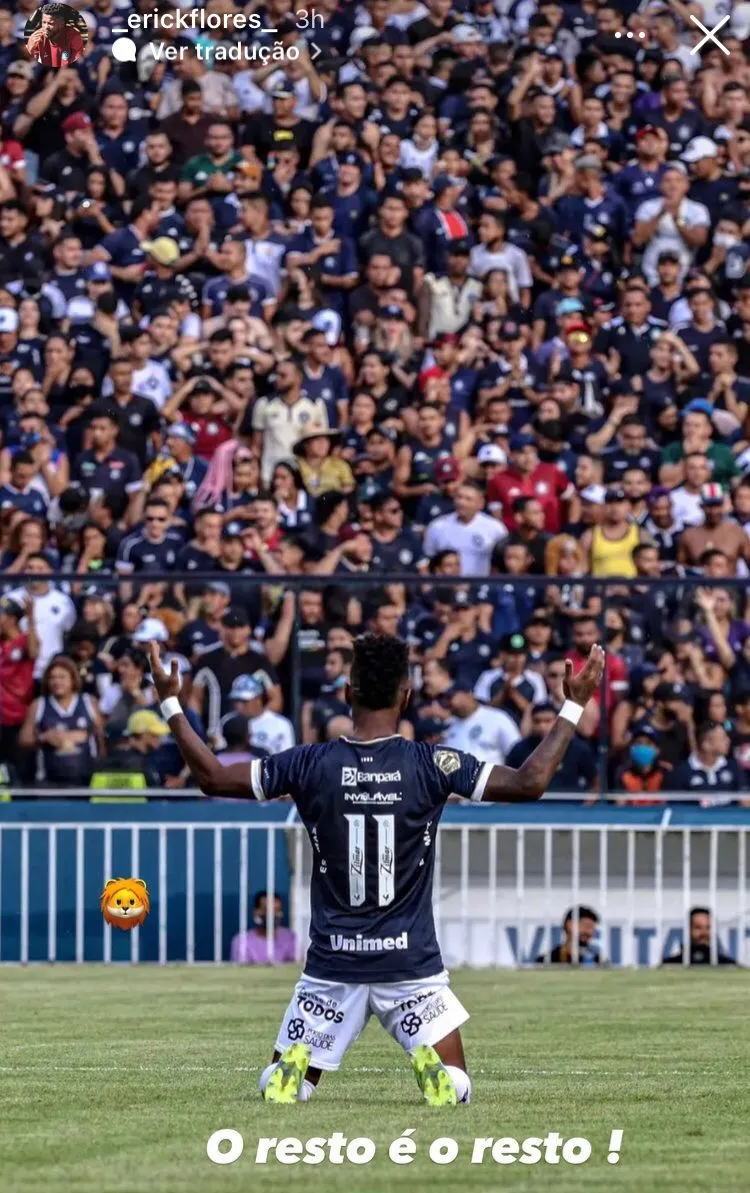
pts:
[668, 288]
[568, 279]
[146, 748]
[526, 476]
[221, 665]
[594, 203]
[447, 473]
[266, 730]
[468, 530]
[179, 440]
[68, 167]
[321, 471]
[710, 185]
[718, 532]
[671, 222]
[353, 201]
[491, 732]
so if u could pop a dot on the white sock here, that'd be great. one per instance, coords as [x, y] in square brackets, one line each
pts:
[462, 1082]
[306, 1091]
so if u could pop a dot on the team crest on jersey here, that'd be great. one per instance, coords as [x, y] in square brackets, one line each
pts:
[447, 761]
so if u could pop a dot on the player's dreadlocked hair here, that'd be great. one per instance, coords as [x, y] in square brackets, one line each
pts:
[56, 10]
[380, 668]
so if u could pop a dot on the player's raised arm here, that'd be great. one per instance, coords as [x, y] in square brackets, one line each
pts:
[530, 781]
[209, 774]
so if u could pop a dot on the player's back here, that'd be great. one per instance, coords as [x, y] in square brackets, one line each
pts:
[371, 809]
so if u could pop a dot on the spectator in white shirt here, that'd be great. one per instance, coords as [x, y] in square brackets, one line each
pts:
[672, 223]
[54, 612]
[267, 730]
[494, 253]
[469, 531]
[487, 733]
[686, 499]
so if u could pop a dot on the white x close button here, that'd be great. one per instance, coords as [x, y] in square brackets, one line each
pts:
[710, 34]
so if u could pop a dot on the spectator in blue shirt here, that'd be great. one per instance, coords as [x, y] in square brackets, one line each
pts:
[20, 493]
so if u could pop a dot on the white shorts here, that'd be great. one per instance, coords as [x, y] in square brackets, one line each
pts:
[328, 1016]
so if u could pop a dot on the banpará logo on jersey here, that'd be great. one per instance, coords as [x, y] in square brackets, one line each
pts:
[369, 944]
[350, 776]
[447, 761]
[375, 797]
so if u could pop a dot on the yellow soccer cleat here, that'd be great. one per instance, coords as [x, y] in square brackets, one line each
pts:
[286, 1080]
[433, 1078]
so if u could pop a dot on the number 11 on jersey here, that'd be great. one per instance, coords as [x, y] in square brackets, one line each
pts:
[357, 851]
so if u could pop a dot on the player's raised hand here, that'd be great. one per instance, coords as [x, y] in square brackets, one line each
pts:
[582, 686]
[167, 683]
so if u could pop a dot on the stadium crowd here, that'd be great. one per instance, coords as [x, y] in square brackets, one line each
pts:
[456, 293]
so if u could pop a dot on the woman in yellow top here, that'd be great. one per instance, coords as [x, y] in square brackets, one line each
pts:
[320, 470]
[610, 545]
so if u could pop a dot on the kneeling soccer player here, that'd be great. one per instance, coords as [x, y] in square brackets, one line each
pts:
[371, 806]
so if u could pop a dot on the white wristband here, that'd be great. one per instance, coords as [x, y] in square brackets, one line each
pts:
[570, 711]
[171, 707]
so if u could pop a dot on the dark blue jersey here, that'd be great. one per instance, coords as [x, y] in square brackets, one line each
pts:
[371, 810]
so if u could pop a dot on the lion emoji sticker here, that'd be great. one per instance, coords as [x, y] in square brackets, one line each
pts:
[125, 902]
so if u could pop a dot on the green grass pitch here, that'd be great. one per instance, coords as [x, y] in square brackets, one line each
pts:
[113, 1079]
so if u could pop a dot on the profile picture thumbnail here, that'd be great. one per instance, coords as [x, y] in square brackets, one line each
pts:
[56, 35]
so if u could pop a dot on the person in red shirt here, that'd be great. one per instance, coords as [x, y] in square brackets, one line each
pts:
[585, 634]
[208, 426]
[55, 42]
[17, 654]
[528, 477]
